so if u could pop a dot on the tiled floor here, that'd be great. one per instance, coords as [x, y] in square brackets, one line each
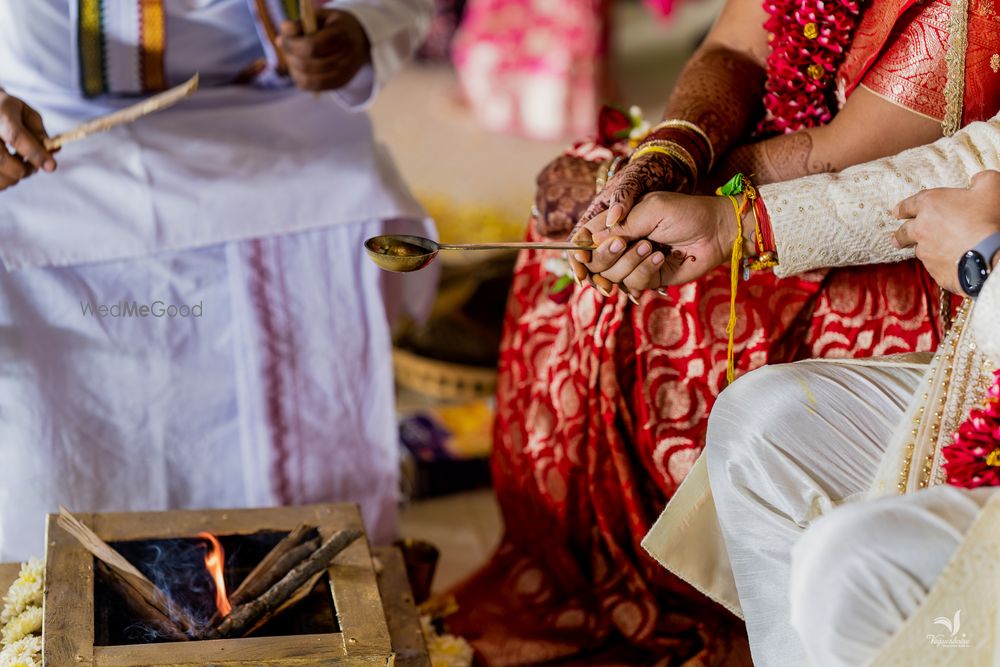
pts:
[465, 527]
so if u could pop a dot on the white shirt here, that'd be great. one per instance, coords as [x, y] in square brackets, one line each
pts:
[231, 163]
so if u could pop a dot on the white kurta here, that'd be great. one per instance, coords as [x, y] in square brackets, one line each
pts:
[249, 203]
[231, 163]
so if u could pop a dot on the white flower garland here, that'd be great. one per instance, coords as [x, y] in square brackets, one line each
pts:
[21, 618]
[445, 650]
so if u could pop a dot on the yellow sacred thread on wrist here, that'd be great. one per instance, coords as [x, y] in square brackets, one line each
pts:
[734, 277]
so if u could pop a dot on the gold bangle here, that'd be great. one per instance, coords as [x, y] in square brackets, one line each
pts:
[681, 159]
[602, 176]
[688, 125]
[683, 153]
[613, 169]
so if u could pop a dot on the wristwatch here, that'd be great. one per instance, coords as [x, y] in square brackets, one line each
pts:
[975, 265]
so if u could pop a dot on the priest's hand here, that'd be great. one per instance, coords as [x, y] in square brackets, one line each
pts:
[22, 142]
[330, 57]
[944, 223]
[666, 239]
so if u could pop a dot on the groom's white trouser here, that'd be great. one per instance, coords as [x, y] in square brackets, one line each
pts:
[786, 444]
[858, 574]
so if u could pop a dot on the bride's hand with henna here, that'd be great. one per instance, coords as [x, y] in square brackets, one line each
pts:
[563, 191]
[652, 172]
[647, 173]
[667, 239]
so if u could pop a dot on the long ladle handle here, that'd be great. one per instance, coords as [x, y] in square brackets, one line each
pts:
[515, 245]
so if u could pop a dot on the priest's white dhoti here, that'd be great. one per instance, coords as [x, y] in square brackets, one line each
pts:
[187, 317]
[244, 374]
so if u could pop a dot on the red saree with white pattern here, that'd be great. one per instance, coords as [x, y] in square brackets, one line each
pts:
[602, 405]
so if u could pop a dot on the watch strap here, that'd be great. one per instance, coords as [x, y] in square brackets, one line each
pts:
[988, 247]
[976, 265]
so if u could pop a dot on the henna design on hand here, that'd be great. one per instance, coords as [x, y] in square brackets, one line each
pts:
[647, 174]
[704, 95]
[565, 188]
[777, 159]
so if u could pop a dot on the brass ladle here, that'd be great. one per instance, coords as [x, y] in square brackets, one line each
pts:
[401, 253]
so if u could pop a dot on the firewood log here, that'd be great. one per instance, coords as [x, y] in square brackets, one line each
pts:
[285, 555]
[296, 597]
[138, 604]
[247, 614]
[137, 581]
[158, 102]
[307, 12]
[276, 572]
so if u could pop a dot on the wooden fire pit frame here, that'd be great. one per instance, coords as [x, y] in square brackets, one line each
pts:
[68, 630]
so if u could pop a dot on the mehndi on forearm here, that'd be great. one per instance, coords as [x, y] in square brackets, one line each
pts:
[773, 160]
[720, 91]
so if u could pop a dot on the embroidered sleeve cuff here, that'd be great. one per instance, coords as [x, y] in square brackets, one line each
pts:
[845, 219]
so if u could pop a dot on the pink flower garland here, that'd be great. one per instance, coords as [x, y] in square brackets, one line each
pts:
[809, 39]
[973, 459]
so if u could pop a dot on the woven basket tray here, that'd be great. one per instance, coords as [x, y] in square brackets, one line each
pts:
[442, 380]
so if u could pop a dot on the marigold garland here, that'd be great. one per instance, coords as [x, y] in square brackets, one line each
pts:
[809, 40]
[973, 459]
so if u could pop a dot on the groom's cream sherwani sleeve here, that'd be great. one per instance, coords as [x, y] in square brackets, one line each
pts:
[821, 221]
[846, 219]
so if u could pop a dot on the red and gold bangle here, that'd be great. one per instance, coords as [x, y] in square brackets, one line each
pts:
[691, 129]
[767, 256]
[694, 146]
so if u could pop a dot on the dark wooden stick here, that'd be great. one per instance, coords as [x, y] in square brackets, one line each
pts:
[246, 614]
[138, 604]
[144, 588]
[277, 572]
[296, 597]
[265, 578]
[273, 566]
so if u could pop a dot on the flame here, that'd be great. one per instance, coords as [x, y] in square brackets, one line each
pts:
[215, 559]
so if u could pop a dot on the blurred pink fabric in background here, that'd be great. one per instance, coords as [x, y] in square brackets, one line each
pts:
[530, 67]
[536, 67]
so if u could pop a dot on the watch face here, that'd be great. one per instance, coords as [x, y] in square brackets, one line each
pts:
[972, 272]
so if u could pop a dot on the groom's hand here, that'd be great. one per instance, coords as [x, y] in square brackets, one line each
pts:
[666, 239]
[944, 223]
[330, 57]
